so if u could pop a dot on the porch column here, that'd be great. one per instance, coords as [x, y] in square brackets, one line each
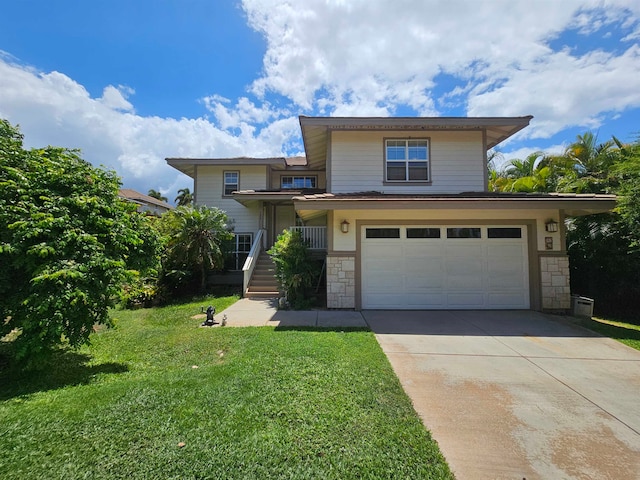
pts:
[554, 279]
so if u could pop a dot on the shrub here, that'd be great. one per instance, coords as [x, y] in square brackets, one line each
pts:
[296, 271]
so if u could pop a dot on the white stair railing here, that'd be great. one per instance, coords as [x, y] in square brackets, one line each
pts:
[252, 260]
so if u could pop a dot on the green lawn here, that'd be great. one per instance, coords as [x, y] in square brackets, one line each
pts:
[262, 403]
[627, 333]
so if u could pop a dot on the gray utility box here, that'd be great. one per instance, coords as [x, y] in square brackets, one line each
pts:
[581, 306]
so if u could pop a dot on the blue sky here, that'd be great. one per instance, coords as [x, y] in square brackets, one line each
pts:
[132, 82]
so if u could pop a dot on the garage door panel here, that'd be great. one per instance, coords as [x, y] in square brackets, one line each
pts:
[465, 300]
[417, 301]
[433, 273]
[425, 249]
[424, 273]
[499, 249]
[462, 248]
[464, 274]
[505, 300]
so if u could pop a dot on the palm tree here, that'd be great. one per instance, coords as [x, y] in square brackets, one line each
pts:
[590, 165]
[157, 195]
[517, 168]
[198, 239]
[533, 174]
[184, 198]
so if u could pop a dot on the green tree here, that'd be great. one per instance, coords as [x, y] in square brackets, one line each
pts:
[157, 195]
[67, 244]
[184, 198]
[196, 239]
[628, 170]
[533, 174]
[589, 166]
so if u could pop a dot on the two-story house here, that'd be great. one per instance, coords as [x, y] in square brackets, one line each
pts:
[402, 209]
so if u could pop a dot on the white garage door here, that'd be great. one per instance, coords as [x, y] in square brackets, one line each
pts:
[445, 267]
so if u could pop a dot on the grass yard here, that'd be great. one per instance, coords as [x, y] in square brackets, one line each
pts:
[627, 333]
[262, 403]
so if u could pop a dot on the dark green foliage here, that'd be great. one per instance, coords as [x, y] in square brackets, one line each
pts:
[196, 238]
[67, 244]
[603, 266]
[628, 171]
[295, 269]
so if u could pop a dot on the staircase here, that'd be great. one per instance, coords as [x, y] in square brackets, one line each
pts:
[263, 283]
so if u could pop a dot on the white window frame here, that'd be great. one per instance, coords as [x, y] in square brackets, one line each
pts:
[227, 185]
[313, 178]
[407, 161]
[238, 260]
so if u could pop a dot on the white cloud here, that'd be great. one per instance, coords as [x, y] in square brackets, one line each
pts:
[562, 90]
[54, 109]
[367, 57]
[116, 98]
[348, 58]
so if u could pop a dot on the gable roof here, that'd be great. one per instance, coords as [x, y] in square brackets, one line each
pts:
[315, 130]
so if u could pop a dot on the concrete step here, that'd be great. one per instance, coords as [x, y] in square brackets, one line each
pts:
[274, 294]
[262, 288]
[264, 283]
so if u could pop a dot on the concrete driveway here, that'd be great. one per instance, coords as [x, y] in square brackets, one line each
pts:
[518, 394]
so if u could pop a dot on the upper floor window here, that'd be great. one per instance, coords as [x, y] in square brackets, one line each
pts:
[298, 182]
[231, 182]
[407, 160]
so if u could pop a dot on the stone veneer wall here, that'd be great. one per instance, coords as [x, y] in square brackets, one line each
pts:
[341, 282]
[556, 292]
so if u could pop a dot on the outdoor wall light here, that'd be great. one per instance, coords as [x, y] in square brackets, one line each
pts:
[344, 226]
[551, 226]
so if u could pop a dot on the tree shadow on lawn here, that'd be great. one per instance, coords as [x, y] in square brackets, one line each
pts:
[63, 369]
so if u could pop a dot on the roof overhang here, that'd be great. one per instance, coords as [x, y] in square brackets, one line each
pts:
[250, 197]
[315, 130]
[570, 204]
[187, 165]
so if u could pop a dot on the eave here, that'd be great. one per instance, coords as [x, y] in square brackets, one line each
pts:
[570, 204]
[187, 165]
[250, 197]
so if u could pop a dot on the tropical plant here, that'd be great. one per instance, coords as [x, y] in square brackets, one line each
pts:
[157, 195]
[295, 269]
[195, 241]
[588, 166]
[628, 170]
[184, 198]
[67, 244]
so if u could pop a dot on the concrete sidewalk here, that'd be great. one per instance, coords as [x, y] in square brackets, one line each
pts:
[259, 313]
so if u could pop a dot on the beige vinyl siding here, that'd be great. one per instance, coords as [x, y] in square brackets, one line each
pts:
[209, 185]
[456, 162]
